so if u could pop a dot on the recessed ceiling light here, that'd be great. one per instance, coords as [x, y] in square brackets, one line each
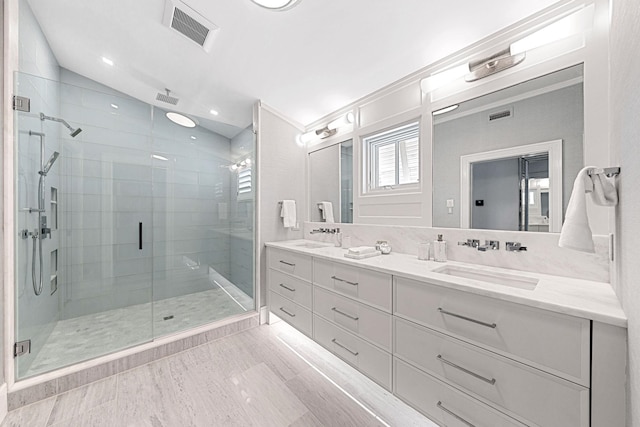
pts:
[276, 4]
[214, 112]
[114, 106]
[107, 61]
[193, 137]
[155, 156]
[445, 109]
[181, 120]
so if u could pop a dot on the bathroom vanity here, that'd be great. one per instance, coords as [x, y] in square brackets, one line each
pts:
[464, 344]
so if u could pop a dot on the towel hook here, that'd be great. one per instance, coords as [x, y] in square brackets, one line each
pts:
[609, 172]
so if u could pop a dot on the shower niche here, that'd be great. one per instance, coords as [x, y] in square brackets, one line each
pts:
[129, 221]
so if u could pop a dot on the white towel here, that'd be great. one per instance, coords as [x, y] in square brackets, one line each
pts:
[360, 250]
[288, 213]
[576, 233]
[327, 211]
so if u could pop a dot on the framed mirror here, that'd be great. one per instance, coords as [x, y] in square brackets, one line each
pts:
[507, 160]
[331, 183]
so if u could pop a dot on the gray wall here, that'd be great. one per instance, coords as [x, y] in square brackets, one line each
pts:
[497, 184]
[625, 135]
[542, 118]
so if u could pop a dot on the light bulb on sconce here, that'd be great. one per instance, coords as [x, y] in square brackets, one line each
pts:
[329, 130]
[571, 25]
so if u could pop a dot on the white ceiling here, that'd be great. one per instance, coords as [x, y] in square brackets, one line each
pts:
[305, 62]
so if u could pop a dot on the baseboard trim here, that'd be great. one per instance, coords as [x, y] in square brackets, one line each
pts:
[4, 407]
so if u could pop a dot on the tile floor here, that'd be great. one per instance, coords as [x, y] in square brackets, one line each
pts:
[85, 337]
[267, 376]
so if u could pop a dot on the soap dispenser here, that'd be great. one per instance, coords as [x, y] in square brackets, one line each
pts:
[440, 249]
[337, 242]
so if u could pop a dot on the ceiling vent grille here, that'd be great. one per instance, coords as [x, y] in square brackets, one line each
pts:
[500, 115]
[190, 23]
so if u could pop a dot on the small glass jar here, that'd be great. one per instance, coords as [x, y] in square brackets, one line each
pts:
[383, 246]
[423, 251]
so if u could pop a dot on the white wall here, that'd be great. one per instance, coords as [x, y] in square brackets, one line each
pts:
[281, 175]
[625, 135]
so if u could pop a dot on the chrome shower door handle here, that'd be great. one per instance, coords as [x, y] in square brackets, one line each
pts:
[140, 235]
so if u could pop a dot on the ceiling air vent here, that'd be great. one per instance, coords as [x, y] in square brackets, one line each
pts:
[189, 23]
[500, 115]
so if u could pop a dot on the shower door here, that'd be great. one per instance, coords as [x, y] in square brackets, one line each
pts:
[149, 225]
[96, 258]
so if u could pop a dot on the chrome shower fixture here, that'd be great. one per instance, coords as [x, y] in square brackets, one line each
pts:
[48, 165]
[74, 132]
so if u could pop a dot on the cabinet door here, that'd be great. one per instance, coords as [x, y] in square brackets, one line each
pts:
[443, 403]
[290, 287]
[368, 286]
[367, 322]
[557, 343]
[522, 391]
[292, 263]
[292, 313]
[369, 359]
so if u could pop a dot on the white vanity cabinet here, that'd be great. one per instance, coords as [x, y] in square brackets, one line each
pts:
[290, 291]
[462, 358]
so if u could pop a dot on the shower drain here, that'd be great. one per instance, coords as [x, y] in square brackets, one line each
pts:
[168, 317]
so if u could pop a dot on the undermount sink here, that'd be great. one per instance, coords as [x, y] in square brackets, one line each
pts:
[312, 245]
[503, 279]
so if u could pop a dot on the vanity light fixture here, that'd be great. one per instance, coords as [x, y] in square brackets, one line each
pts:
[566, 27]
[181, 119]
[238, 166]
[277, 5]
[329, 130]
[445, 110]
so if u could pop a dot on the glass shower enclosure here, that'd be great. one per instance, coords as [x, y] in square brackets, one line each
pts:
[129, 226]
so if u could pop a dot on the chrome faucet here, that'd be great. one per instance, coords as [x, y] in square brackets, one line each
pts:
[472, 243]
[492, 245]
[515, 247]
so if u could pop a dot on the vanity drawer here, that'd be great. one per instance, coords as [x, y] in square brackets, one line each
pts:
[368, 286]
[558, 343]
[443, 403]
[290, 287]
[525, 392]
[290, 262]
[292, 313]
[367, 322]
[367, 358]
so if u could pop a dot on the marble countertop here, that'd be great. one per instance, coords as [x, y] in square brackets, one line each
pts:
[576, 297]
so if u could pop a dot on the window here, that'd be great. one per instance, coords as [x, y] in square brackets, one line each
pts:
[244, 183]
[393, 157]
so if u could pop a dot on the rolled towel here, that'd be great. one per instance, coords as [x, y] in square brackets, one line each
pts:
[361, 250]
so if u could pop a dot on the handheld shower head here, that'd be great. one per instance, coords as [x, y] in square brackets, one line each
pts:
[50, 163]
[74, 132]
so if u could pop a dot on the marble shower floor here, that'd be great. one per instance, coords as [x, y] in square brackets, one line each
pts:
[266, 376]
[86, 337]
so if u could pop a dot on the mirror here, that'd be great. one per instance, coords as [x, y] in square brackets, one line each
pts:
[331, 183]
[507, 160]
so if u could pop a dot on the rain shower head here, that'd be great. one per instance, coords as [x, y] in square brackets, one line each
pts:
[74, 132]
[52, 159]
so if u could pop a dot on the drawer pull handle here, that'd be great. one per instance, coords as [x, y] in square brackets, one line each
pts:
[286, 312]
[345, 281]
[282, 285]
[454, 415]
[287, 263]
[344, 314]
[491, 381]
[335, 341]
[468, 319]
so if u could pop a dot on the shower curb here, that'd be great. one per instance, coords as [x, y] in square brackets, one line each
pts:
[31, 394]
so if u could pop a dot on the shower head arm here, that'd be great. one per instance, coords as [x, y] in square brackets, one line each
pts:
[44, 117]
